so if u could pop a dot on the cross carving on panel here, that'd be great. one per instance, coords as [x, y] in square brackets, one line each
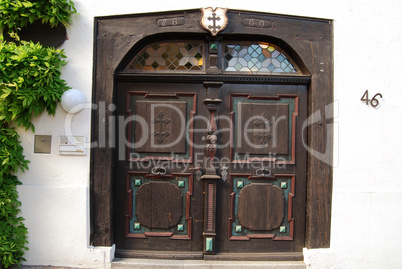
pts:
[161, 133]
[265, 135]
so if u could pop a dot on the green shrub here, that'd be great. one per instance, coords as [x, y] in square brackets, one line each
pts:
[30, 84]
[29, 81]
[13, 233]
[19, 13]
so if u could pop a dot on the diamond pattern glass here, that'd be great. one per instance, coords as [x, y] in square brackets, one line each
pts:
[171, 56]
[256, 58]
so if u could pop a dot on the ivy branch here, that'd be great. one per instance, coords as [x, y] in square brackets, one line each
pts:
[30, 84]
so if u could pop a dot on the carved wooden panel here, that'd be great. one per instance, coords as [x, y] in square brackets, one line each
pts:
[159, 126]
[159, 205]
[264, 128]
[164, 126]
[261, 206]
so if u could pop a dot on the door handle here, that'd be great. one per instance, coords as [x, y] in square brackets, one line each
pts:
[224, 172]
[198, 172]
[158, 171]
[264, 171]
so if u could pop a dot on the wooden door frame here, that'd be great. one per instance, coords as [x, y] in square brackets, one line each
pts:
[310, 40]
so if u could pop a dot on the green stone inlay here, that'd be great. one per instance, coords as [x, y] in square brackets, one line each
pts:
[238, 228]
[213, 46]
[180, 227]
[137, 226]
[284, 185]
[180, 183]
[240, 184]
[282, 229]
[137, 182]
[209, 244]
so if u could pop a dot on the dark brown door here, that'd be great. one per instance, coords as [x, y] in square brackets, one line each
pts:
[160, 196]
[261, 197]
[158, 199]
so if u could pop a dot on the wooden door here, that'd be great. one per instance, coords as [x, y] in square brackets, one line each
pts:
[159, 201]
[261, 196]
[166, 206]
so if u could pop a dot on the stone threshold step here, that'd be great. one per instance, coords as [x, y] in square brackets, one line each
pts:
[120, 263]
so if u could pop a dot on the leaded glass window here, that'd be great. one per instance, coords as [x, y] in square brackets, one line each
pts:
[256, 58]
[241, 57]
[171, 56]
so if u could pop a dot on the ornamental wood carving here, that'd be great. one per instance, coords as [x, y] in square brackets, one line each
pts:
[267, 125]
[159, 205]
[165, 126]
[261, 207]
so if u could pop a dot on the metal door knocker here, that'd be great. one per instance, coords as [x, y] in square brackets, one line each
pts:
[224, 172]
[158, 171]
[263, 172]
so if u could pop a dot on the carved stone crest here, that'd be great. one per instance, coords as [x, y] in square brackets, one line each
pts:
[214, 20]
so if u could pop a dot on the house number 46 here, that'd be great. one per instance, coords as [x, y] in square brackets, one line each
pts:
[373, 102]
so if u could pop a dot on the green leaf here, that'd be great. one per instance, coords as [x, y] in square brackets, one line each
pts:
[27, 4]
[6, 160]
[6, 92]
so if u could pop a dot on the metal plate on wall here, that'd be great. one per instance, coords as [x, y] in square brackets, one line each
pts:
[43, 144]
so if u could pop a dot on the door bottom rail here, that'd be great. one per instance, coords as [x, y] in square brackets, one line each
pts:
[199, 255]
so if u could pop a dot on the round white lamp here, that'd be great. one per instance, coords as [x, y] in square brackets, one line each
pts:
[73, 101]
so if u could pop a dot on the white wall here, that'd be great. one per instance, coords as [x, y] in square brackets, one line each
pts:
[366, 217]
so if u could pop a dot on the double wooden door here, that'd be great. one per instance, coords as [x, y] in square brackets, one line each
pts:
[209, 168]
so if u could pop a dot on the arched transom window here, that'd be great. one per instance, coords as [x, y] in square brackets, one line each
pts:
[243, 57]
[256, 58]
[170, 56]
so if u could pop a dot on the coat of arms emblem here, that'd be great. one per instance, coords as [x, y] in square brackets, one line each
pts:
[214, 20]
